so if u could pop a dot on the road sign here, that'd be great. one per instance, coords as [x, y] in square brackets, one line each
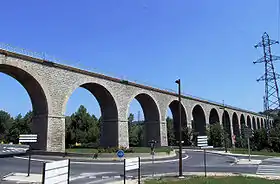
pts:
[56, 171]
[247, 132]
[202, 141]
[234, 138]
[132, 164]
[120, 153]
[29, 138]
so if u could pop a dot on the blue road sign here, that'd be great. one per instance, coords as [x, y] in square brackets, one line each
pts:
[120, 153]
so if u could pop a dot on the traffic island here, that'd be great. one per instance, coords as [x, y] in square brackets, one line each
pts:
[111, 154]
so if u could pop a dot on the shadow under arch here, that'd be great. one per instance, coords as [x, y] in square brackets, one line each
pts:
[174, 107]
[38, 100]
[109, 113]
[226, 126]
[199, 121]
[258, 123]
[243, 124]
[214, 116]
[254, 123]
[151, 117]
[235, 125]
[249, 124]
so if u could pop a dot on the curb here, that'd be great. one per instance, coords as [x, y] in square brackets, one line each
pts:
[86, 156]
[106, 160]
[106, 163]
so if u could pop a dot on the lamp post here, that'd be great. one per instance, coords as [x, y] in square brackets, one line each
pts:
[224, 120]
[180, 129]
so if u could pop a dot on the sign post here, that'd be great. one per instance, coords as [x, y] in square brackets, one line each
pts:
[202, 142]
[132, 164]
[28, 138]
[152, 144]
[248, 134]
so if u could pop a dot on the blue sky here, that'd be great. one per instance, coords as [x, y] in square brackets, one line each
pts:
[208, 44]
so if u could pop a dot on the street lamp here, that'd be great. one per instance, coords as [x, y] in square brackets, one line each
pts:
[180, 129]
[224, 120]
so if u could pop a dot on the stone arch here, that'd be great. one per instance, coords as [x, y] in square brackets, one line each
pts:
[235, 124]
[249, 124]
[258, 123]
[109, 113]
[174, 107]
[254, 123]
[214, 116]
[226, 125]
[151, 117]
[242, 124]
[39, 101]
[199, 121]
[262, 124]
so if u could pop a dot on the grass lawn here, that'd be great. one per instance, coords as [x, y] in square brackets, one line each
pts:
[215, 180]
[136, 150]
[245, 151]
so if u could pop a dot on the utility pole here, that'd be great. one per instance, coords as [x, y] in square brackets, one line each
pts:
[180, 129]
[271, 97]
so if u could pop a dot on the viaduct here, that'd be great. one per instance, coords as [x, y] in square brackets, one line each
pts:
[50, 85]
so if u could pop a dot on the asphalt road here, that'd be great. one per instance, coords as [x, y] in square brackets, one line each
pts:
[90, 172]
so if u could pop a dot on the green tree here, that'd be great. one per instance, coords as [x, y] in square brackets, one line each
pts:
[19, 126]
[215, 135]
[5, 123]
[84, 126]
[186, 136]
[170, 132]
[259, 140]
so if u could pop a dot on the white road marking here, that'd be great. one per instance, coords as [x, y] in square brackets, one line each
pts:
[268, 170]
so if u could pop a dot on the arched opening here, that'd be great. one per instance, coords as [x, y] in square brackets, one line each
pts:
[243, 124]
[265, 123]
[254, 123]
[38, 118]
[249, 124]
[235, 125]
[97, 125]
[258, 123]
[174, 109]
[199, 122]
[151, 118]
[136, 124]
[226, 126]
[214, 116]
[262, 123]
